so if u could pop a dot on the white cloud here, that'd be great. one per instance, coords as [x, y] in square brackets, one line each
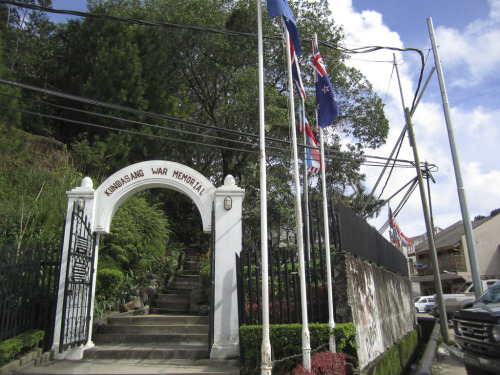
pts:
[466, 53]
[475, 51]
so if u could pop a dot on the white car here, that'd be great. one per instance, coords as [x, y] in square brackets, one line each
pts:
[423, 303]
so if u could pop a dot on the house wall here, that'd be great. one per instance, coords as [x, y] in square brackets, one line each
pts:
[378, 302]
[487, 240]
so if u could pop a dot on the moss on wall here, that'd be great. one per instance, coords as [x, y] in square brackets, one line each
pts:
[397, 359]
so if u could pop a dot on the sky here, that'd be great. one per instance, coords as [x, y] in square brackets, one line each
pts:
[467, 34]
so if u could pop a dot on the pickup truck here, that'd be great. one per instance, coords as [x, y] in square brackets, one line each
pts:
[464, 298]
[477, 332]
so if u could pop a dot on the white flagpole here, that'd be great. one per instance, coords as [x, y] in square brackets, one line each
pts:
[266, 365]
[306, 346]
[331, 321]
[306, 184]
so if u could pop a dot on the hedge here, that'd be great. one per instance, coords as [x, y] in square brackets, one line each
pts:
[286, 341]
[19, 344]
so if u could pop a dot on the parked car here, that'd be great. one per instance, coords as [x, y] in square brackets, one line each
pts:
[477, 332]
[423, 303]
[463, 299]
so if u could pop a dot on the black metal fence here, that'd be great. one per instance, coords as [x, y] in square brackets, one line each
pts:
[348, 232]
[29, 281]
[356, 236]
[284, 287]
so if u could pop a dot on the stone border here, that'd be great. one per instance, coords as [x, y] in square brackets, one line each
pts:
[34, 357]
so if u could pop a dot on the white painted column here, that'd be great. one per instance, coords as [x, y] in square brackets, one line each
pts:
[228, 243]
[85, 196]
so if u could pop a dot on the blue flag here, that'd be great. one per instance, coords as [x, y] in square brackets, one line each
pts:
[281, 8]
[328, 109]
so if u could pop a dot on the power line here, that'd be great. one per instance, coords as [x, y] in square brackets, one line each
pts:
[332, 154]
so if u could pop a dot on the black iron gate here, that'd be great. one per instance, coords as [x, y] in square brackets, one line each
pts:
[77, 312]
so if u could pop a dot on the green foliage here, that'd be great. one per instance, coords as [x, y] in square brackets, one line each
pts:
[108, 280]
[19, 345]
[139, 236]
[205, 272]
[35, 173]
[111, 297]
[286, 341]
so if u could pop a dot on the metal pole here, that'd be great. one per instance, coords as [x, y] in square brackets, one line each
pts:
[266, 365]
[331, 320]
[397, 142]
[469, 235]
[306, 346]
[430, 237]
[306, 184]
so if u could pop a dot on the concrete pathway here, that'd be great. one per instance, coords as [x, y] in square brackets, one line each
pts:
[136, 367]
[446, 364]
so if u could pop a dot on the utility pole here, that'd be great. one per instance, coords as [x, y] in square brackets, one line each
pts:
[430, 232]
[469, 235]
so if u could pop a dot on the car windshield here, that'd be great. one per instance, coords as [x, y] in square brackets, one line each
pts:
[464, 287]
[416, 299]
[492, 295]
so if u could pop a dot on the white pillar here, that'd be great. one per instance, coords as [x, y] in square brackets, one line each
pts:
[228, 243]
[85, 196]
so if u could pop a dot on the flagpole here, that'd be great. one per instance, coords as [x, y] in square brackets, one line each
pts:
[331, 320]
[306, 184]
[266, 365]
[306, 346]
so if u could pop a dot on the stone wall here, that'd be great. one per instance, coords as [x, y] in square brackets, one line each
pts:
[378, 302]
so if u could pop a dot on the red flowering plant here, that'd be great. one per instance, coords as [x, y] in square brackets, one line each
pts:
[324, 363]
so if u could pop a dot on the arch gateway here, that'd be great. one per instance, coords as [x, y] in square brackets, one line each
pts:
[89, 214]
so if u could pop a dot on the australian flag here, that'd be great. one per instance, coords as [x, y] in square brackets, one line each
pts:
[281, 8]
[328, 109]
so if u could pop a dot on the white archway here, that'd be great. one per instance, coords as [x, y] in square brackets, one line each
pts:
[151, 174]
[98, 208]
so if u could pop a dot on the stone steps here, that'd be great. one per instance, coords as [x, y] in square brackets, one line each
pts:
[169, 332]
[147, 351]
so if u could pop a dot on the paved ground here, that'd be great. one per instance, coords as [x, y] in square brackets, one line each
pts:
[445, 363]
[127, 367]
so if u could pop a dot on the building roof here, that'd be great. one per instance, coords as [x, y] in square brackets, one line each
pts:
[449, 237]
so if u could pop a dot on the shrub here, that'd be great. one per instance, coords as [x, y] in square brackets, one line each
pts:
[324, 363]
[286, 341]
[19, 344]
[108, 280]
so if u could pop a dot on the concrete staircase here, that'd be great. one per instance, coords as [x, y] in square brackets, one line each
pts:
[170, 340]
[170, 331]
[151, 337]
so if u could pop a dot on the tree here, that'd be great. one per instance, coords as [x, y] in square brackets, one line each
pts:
[203, 73]
[140, 239]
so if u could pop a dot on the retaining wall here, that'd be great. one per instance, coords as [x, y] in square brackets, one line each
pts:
[377, 301]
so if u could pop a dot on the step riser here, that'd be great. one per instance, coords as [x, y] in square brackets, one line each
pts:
[146, 354]
[155, 310]
[151, 330]
[172, 298]
[199, 339]
[173, 305]
[158, 320]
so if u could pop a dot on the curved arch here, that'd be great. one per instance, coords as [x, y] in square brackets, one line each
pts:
[151, 174]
